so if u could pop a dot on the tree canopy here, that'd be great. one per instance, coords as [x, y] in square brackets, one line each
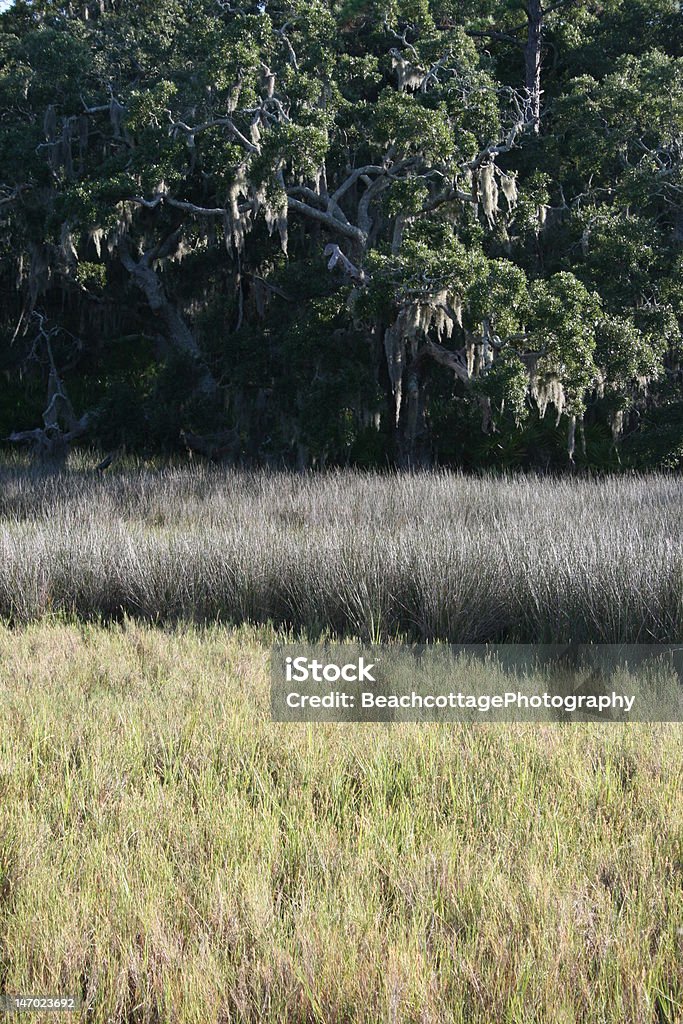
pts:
[327, 231]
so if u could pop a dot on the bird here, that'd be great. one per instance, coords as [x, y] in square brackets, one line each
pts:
[105, 463]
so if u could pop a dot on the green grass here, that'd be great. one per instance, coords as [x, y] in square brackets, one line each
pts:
[173, 855]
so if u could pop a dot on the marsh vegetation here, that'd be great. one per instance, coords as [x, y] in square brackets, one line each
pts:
[170, 854]
[424, 556]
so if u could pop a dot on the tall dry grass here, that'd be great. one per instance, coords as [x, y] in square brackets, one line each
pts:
[171, 855]
[428, 556]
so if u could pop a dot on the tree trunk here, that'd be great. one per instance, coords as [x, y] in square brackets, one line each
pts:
[412, 447]
[49, 449]
[532, 61]
[178, 333]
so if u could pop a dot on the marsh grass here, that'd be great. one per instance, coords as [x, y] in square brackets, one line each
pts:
[172, 855]
[427, 556]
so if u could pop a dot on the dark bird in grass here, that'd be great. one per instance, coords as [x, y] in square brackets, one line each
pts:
[105, 463]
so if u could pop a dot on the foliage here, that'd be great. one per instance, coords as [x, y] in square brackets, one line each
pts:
[340, 227]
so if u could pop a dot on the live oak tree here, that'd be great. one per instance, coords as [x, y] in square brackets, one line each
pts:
[252, 205]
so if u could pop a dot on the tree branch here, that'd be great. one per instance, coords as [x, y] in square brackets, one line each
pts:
[224, 122]
[497, 36]
[14, 194]
[328, 219]
[455, 361]
[179, 204]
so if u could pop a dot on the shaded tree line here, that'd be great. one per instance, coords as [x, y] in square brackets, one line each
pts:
[330, 232]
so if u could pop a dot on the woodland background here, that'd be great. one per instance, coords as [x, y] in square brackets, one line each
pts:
[310, 232]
